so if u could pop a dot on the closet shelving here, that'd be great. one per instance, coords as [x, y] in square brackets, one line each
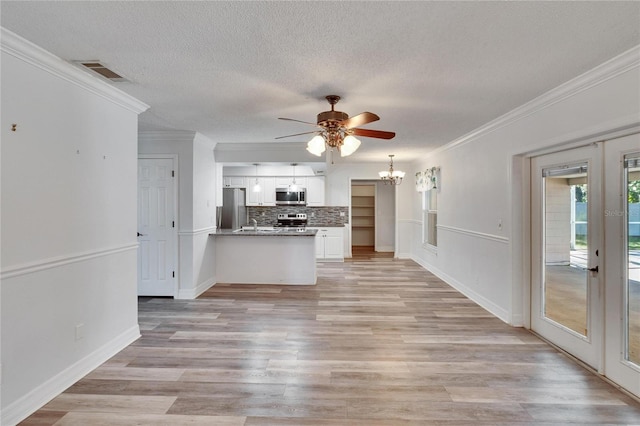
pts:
[363, 215]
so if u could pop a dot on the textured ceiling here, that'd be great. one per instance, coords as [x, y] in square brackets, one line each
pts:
[432, 71]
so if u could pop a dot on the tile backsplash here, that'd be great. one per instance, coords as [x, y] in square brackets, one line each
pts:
[316, 216]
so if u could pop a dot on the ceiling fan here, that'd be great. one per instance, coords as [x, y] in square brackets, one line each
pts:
[337, 130]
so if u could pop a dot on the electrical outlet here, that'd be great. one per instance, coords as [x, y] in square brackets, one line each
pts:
[79, 331]
[341, 214]
[313, 214]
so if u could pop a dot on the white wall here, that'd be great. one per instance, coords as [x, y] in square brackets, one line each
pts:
[482, 205]
[204, 213]
[68, 225]
[197, 177]
[385, 216]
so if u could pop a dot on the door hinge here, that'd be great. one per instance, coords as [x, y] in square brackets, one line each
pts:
[173, 274]
[173, 173]
[173, 223]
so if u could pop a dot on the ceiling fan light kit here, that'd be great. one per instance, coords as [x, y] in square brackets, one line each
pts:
[316, 146]
[337, 130]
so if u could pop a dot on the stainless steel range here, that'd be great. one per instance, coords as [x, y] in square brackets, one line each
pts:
[293, 221]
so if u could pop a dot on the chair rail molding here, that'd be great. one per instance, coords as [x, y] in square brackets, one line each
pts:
[58, 261]
[485, 236]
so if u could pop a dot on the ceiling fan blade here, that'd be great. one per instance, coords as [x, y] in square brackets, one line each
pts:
[368, 133]
[359, 120]
[299, 121]
[297, 134]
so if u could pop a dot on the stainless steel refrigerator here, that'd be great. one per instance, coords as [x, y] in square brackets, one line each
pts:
[234, 212]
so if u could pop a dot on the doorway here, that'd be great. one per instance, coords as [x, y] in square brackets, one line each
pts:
[372, 220]
[157, 232]
[363, 217]
[585, 288]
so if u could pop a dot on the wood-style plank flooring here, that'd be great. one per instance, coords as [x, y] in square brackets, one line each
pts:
[378, 341]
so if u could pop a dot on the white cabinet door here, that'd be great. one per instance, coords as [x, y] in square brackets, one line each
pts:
[329, 244]
[267, 194]
[234, 182]
[285, 181]
[253, 198]
[333, 246]
[268, 191]
[315, 191]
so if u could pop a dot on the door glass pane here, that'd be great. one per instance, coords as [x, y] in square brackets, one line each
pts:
[565, 247]
[632, 322]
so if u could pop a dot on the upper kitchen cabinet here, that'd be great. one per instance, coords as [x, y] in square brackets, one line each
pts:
[267, 194]
[285, 181]
[315, 191]
[234, 182]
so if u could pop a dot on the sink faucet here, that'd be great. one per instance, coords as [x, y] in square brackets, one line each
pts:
[255, 224]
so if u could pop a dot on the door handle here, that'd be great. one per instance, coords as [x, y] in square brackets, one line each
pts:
[594, 269]
[140, 235]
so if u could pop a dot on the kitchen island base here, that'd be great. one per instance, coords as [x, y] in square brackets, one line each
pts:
[266, 259]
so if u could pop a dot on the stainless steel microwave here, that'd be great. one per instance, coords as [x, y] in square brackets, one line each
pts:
[287, 197]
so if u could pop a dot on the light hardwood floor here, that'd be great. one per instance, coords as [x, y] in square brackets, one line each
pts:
[378, 341]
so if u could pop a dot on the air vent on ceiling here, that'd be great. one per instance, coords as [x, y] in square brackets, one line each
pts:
[102, 70]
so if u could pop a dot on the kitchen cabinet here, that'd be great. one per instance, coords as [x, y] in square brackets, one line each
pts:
[330, 244]
[267, 197]
[315, 191]
[285, 181]
[267, 194]
[234, 182]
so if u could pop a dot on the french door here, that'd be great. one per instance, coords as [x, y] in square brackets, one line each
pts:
[622, 275]
[585, 255]
[566, 217]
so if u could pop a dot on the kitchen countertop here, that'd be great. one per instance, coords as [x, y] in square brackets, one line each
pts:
[265, 232]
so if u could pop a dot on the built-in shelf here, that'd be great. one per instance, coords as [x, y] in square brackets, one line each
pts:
[363, 215]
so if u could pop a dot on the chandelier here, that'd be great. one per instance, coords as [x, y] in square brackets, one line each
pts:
[335, 138]
[391, 177]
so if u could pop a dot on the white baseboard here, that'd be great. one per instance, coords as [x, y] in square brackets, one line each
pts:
[480, 300]
[192, 293]
[38, 397]
[385, 248]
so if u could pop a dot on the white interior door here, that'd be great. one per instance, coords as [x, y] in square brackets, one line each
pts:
[566, 218]
[156, 227]
[622, 272]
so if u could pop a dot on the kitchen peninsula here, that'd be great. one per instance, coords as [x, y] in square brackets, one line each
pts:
[265, 256]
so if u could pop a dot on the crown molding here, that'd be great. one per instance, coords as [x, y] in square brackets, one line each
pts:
[20, 48]
[620, 64]
[167, 136]
[259, 146]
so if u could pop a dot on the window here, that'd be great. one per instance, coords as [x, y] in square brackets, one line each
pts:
[430, 218]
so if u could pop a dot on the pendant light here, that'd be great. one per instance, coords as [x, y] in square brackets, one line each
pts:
[256, 186]
[293, 186]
